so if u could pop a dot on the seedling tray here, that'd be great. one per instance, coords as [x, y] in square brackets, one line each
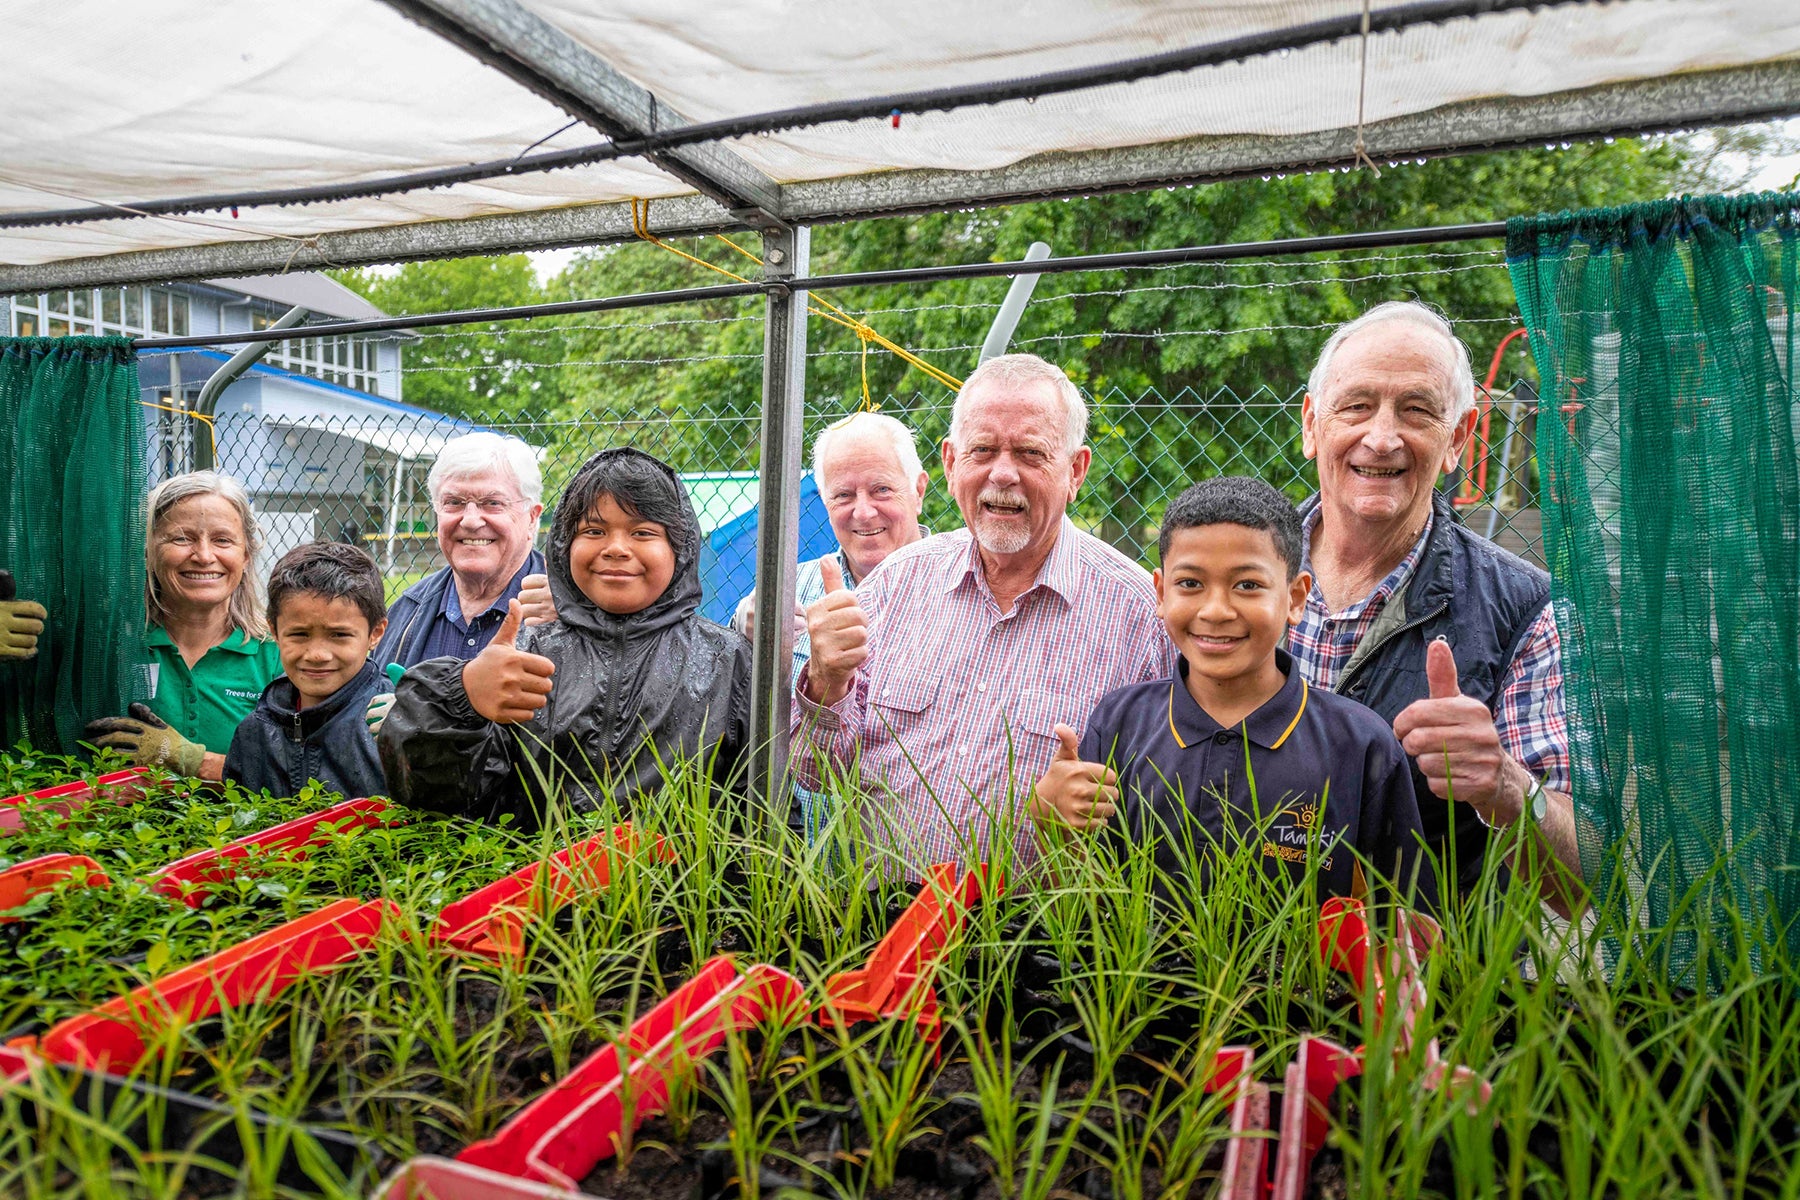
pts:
[149, 1119]
[189, 880]
[22, 881]
[118, 1034]
[124, 787]
[896, 982]
[561, 1136]
[1320, 1065]
[491, 922]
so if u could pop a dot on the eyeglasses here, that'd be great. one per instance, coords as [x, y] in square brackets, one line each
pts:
[490, 506]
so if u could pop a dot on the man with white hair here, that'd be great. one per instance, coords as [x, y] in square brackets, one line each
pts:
[941, 680]
[488, 493]
[873, 484]
[1440, 631]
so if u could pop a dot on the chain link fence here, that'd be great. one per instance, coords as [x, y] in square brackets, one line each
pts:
[363, 480]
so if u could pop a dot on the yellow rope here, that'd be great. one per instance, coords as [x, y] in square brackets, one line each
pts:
[818, 306]
[212, 435]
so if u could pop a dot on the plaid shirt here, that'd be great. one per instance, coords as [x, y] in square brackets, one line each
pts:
[1529, 714]
[953, 689]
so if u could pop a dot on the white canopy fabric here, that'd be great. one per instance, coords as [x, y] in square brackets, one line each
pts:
[110, 102]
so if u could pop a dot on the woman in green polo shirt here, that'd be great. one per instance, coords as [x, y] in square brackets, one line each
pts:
[210, 651]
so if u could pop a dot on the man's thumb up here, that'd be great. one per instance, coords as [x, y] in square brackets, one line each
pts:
[1440, 671]
[1070, 749]
[830, 575]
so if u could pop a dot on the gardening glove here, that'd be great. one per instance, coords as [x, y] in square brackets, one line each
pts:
[377, 711]
[148, 740]
[20, 621]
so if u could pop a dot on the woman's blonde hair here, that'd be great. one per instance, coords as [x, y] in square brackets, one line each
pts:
[245, 607]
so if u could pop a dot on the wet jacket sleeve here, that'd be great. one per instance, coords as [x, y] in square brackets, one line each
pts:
[439, 753]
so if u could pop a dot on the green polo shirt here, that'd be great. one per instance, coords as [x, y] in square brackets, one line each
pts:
[205, 703]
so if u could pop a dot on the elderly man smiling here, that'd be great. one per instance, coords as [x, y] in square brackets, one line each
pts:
[869, 475]
[488, 494]
[1440, 631]
[942, 678]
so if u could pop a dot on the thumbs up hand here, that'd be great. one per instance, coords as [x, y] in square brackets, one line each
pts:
[1454, 740]
[505, 684]
[840, 638]
[1074, 794]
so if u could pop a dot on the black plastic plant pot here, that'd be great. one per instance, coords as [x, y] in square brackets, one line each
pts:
[209, 1137]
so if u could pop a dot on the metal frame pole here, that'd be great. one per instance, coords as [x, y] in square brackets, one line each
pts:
[785, 256]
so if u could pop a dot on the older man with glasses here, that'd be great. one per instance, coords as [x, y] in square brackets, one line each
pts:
[488, 494]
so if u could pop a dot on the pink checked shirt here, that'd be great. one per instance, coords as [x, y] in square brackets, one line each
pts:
[952, 719]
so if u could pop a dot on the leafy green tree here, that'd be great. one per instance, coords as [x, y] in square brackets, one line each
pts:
[476, 371]
[1188, 366]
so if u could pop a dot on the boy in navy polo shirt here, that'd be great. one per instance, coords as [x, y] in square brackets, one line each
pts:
[1237, 745]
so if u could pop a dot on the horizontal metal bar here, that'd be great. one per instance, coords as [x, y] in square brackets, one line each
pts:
[1681, 101]
[464, 316]
[538, 55]
[1124, 260]
[1295, 37]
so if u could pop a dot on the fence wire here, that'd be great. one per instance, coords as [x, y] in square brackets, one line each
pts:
[363, 479]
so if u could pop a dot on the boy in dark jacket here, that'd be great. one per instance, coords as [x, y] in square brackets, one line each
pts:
[327, 610]
[627, 680]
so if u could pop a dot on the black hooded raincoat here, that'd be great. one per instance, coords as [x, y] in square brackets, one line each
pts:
[630, 693]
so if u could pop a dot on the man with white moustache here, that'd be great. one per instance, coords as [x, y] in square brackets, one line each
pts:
[941, 679]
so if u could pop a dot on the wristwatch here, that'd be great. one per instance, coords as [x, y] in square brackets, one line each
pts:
[1532, 810]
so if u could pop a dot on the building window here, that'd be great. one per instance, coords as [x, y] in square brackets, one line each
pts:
[130, 311]
[345, 360]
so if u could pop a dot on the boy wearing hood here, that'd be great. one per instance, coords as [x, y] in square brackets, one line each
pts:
[629, 679]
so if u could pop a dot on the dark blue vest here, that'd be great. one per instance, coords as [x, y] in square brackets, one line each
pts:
[1483, 600]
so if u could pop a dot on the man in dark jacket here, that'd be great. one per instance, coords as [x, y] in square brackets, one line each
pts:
[1440, 631]
[628, 679]
[327, 611]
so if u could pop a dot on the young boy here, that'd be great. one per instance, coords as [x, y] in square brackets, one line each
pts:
[1237, 745]
[628, 680]
[327, 610]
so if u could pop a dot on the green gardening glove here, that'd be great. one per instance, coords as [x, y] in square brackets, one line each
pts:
[147, 739]
[377, 711]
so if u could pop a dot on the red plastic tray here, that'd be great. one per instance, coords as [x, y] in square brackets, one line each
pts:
[1246, 1155]
[896, 981]
[491, 922]
[1320, 1065]
[430, 1178]
[189, 879]
[112, 1037]
[126, 787]
[15, 1064]
[21, 881]
[562, 1135]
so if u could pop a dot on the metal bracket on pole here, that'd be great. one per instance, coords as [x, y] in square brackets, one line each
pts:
[785, 256]
[1013, 307]
[240, 362]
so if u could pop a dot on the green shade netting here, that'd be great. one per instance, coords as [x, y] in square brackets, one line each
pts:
[1664, 334]
[72, 457]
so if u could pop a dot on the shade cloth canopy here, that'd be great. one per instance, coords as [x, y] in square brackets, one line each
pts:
[110, 103]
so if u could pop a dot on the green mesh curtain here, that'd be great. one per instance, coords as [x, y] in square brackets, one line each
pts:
[1664, 334]
[72, 458]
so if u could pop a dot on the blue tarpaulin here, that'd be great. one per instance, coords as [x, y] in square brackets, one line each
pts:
[728, 556]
